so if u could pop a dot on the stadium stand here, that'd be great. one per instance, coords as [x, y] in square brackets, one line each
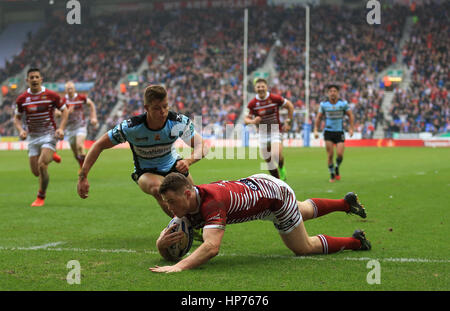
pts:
[424, 107]
[351, 56]
[197, 54]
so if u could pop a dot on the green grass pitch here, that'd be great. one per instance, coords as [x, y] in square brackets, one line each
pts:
[112, 234]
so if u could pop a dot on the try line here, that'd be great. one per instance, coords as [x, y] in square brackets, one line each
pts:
[51, 247]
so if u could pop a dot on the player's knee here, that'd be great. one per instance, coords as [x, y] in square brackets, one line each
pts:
[79, 149]
[42, 166]
[153, 189]
[303, 249]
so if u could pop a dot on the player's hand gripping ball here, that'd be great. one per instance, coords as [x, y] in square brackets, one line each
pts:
[179, 249]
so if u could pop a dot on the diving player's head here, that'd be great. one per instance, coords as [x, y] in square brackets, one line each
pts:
[333, 92]
[179, 194]
[261, 87]
[34, 80]
[155, 102]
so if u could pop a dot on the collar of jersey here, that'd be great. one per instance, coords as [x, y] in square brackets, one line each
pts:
[267, 96]
[42, 91]
[146, 125]
[74, 96]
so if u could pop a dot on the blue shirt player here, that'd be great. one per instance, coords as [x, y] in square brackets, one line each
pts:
[334, 110]
[151, 137]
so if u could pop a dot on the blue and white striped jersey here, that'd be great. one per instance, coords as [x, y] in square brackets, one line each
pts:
[334, 115]
[153, 149]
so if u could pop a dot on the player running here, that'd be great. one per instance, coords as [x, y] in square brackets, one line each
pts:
[38, 105]
[215, 205]
[76, 128]
[264, 110]
[151, 137]
[334, 110]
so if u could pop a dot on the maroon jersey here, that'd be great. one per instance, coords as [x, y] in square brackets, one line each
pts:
[38, 109]
[267, 108]
[254, 197]
[76, 115]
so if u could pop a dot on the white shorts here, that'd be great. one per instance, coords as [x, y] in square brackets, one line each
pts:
[268, 139]
[35, 144]
[288, 217]
[71, 135]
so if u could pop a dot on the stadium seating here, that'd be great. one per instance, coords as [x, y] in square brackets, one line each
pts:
[352, 56]
[198, 55]
[424, 107]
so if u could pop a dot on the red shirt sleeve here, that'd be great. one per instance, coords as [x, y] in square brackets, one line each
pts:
[214, 213]
[250, 107]
[83, 98]
[19, 102]
[57, 100]
[277, 99]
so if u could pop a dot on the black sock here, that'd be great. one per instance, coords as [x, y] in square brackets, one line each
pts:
[331, 169]
[338, 163]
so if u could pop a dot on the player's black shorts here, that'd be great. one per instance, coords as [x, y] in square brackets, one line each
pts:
[335, 137]
[136, 174]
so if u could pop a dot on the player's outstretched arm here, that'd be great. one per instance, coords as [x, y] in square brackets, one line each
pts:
[250, 120]
[317, 124]
[199, 151]
[288, 123]
[351, 121]
[62, 125]
[92, 113]
[209, 249]
[18, 125]
[83, 185]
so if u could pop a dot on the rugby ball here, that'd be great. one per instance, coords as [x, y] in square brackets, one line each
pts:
[179, 249]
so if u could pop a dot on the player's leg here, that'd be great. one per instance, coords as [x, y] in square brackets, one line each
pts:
[278, 149]
[339, 157]
[73, 146]
[150, 183]
[266, 152]
[80, 153]
[317, 207]
[34, 150]
[329, 146]
[288, 220]
[34, 165]
[301, 243]
[44, 160]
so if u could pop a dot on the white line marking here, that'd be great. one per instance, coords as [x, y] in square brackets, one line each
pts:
[43, 246]
[153, 252]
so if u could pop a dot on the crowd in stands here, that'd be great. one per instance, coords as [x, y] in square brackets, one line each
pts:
[424, 107]
[344, 49]
[101, 50]
[200, 62]
[197, 54]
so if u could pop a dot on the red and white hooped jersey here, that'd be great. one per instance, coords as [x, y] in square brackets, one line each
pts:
[267, 108]
[76, 106]
[251, 198]
[38, 109]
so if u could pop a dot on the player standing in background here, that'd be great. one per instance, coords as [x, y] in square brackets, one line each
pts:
[334, 110]
[38, 105]
[76, 129]
[264, 110]
[151, 137]
[215, 205]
